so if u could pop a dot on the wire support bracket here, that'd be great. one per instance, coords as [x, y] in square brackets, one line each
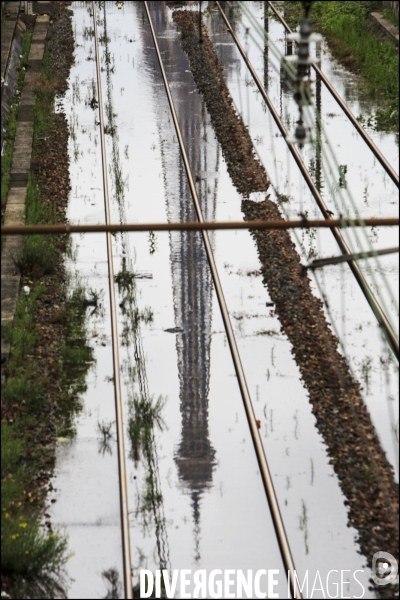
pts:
[383, 321]
[334, 260]
[370, 143]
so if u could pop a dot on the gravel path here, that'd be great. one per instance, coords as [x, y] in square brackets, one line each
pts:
[365, 475]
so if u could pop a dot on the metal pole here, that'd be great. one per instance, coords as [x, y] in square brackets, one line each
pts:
[126, 551]
[196, 226]
[259, 448]
[372, 301]
[385, 164]
[334, 260]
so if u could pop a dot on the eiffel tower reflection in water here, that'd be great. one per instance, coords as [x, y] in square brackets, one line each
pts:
[195, 456]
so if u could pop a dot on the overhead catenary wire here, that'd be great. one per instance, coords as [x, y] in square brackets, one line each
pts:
[331, 350]
[327, 305]
[338, 371]
[259, 448]
[123, 491]
[330, 158]
[370, 143]
[369, 295]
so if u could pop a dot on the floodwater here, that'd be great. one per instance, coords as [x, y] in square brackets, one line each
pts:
[196, 499]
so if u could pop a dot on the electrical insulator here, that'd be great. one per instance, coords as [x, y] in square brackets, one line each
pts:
[300, 82]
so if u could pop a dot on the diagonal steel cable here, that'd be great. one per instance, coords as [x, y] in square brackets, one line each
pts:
[328, 170]
[370, 143]
[380, 315]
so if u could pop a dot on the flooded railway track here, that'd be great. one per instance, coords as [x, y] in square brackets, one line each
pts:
[127, 562]
[254, 429]
[194, 272]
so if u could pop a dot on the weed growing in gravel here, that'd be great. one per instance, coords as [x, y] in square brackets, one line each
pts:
[38, 255]
[104, 429]
[145, 415]
[29, 555]
[113, 583]
[268, 332]
[124, 279]
[366, 370]
[88, 33]
[152, 242]
[304, 524]
[283, 198]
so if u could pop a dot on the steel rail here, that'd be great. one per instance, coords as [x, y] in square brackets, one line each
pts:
[334, 260]
[381, 317]
[197, 226]
[123, 489]
[370, 143]
[258, 446]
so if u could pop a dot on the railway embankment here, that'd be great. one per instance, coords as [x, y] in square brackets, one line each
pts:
[364, 40]
[43, 322]
[365, 475]
[18, 181]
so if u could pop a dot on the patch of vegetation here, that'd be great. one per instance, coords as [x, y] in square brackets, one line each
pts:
[43, 109]
[346, 25]
[145, 414]
[388, 14]
[125, 278]
[29, 556]
[9, 135]
[76, 357]
[38, 256]
[39, 403]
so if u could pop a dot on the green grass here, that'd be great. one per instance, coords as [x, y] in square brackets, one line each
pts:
[144, 416]
[29, 556]
[38, 257]
[43, 109]
[387, 13]
[34, 410]
[27, 551]
[347, 24]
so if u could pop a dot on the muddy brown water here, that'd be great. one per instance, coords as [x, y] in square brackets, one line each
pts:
[204, 476]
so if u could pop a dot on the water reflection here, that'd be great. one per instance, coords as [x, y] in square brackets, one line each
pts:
[145, 416]
[192, 284]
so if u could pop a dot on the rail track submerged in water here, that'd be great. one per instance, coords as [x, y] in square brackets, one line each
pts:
[334, 394]
[127, 567]
[342, 380]
[254, 429]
